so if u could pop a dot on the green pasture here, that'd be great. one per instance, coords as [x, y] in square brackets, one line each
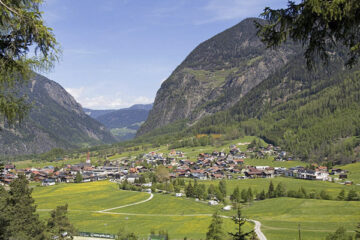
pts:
[40, 164]
[93, 196]
[281, 217]
[178, 227]
[179, 216]
[260, 184]
[354, 172]
[170, 205]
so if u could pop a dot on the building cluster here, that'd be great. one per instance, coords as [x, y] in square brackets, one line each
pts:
[215, 165]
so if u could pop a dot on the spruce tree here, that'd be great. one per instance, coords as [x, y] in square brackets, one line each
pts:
[189, 191]
[319, 25]
[239, 221]
[280, 190]
[78, 177]
[250, 196]
[222, 187]
[271, 191]
[215, 231]
[262, 195]
[244, 195]
[341, 195]
[352, 195]
[58, 225]
[24, 222]
[4, 217]
[236, 196]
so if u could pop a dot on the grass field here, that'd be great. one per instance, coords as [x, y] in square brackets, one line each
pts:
[180, 217]
[281, 217]
[185, 217]
[93, 196]
[354, 172]
[260, 184]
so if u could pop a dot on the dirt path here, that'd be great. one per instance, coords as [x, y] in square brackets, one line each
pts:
[257, 227]
[127, 205]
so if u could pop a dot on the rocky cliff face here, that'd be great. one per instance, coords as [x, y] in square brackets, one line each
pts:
[55, 120]
[216, 75]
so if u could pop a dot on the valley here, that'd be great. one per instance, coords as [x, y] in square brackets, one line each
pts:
[169, 124]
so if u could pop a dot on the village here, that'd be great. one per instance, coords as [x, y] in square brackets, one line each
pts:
[208, 166]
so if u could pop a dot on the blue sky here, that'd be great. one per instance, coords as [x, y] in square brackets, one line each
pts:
[118, 52]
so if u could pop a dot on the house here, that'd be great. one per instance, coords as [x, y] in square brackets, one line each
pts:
[48, 182]
[313, 175]
[179, 194]
[227, 208]
[132, 177]
[213, 203]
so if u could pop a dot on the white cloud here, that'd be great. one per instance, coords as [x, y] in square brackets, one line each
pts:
[76, 92]
[81, 95]
[102, 102]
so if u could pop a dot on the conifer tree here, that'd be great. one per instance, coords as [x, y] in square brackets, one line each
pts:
[280, 190]
[320, 25]
[250, 196]
[78, 177]
[189, 191]
[58, 225]
[24, 222]
[262, 195]
[244, 195]
[352, 195]
[236, 196]
[215, 231]
[222, 187]
[4, 217]
[239, 221]
[271, 191]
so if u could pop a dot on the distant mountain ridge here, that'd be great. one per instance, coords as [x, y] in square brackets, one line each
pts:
[56, 120]
[123, 123]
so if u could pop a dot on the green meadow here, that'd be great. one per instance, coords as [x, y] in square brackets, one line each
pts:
[182, 217]
[179, 216]
[259, 184]
[354, 172]
[92, 196]
[281, 217]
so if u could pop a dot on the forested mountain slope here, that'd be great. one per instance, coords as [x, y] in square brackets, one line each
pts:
[315, 115]
[55, 120]
[216, 75]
